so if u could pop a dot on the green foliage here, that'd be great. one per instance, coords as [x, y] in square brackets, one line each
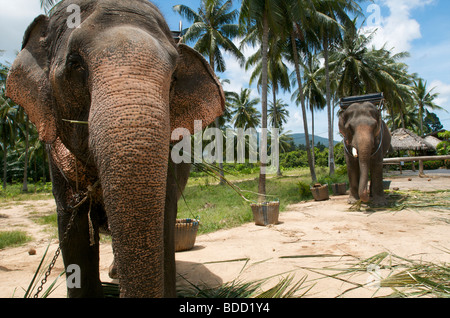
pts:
[38, 191]
[443, 148]
[444, 135]
[304, 190]
[13, 238]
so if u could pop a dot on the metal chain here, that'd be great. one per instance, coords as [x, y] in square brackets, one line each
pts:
[58, 250]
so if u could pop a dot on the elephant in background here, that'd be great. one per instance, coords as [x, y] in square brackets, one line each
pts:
[366, 141]
[121, 72]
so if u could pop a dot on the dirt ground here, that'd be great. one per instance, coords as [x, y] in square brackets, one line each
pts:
[310, 237]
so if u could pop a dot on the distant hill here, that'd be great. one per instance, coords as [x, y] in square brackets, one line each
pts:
[299, 139]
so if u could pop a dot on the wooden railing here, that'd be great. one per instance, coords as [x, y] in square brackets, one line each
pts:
[419, 159]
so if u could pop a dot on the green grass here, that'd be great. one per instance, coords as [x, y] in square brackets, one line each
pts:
[220, 206]
[50, 219]
[38, 191]
[216, 206]
[13, 238]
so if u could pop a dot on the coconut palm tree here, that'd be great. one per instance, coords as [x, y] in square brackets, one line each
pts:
[332, 17]
[297, 30]
[48, 5]
[8, 129]
[278, 114]
[245, 115]
[351, 61]
[277, 70]
[424, 98]
[261, 16]
[212, 29]
[312, 90]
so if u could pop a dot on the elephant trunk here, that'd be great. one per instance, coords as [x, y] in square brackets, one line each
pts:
[129, 137]
[363, 181]
[364, 146]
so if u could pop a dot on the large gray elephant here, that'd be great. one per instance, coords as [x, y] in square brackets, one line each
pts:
[121, 72]
[366, 141]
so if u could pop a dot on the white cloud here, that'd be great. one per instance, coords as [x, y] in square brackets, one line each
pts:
[398, 30]
[238, 76]
[444, 93]
[15, 16]
[442, 100]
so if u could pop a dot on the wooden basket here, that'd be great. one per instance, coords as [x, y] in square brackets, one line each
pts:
[265, 213]
[339, 188]
[185, 234]
[320, 192]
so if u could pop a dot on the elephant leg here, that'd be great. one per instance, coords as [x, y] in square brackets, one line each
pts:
[353, 178]
[378, 197]
[170, 214]
[177, 176]
[81, 259]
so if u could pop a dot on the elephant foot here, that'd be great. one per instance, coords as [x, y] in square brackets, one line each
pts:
[379, 202]
[352, 200]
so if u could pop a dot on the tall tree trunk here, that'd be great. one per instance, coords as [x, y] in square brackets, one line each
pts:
[302, 101]
[25, 169]
[329, 110]
[421, 119]
[263, 139]
[313, 154]
[4, 165]
[275, 116]
[402, 118]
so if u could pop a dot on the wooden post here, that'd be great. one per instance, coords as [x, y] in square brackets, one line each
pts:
[421, 168]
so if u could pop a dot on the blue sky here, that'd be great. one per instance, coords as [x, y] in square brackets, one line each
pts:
[421, 27]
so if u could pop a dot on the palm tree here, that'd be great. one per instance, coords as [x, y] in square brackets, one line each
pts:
[296, 27]
[332, 17]
[48, 5]
[278, 114]
[213, 29]
[277, 70]
[351, 61]
[424, 98]
[8, 113]
[245, 115]
[262, 16]
[312, 90]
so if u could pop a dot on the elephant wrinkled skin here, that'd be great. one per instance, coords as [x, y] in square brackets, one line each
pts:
[122, 73]
[366, 141]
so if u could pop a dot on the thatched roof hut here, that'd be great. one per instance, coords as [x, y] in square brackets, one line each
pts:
[404, 139]
[432, 141]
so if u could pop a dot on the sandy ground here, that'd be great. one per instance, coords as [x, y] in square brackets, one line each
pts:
[325, 234]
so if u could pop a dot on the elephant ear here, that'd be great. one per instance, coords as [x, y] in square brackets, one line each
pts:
[196, 92]
[28, 84]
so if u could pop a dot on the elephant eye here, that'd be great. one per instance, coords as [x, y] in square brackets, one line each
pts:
[75, 63]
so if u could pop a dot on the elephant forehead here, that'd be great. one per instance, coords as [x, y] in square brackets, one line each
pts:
[103, 14]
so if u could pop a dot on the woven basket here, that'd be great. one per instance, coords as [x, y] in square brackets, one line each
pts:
[339, 188]
[185, 234]
[266, 213]
[320, 192]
